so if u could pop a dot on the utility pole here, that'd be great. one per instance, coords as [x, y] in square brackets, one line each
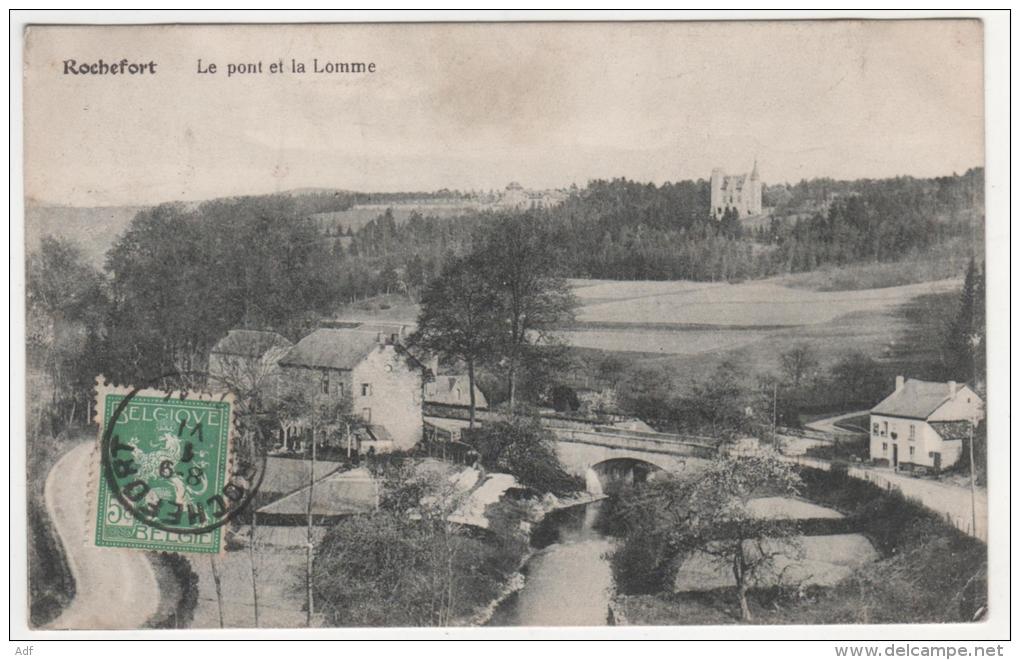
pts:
[973, 500]
[775, 394]
[254, 567]
[975, 340]
[308, 541]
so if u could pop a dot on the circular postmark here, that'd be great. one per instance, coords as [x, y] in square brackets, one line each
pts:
[178, 461]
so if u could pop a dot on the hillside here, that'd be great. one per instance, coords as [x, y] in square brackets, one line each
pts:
[93, 228]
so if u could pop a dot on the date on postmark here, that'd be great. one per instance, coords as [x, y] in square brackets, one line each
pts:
[167, 478]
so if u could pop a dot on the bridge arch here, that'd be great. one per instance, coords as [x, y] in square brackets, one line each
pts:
[612, 474]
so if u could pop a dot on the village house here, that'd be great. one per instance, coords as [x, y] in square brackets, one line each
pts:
[924, 424]
[370, 368]
[247, 360]
[453, 390]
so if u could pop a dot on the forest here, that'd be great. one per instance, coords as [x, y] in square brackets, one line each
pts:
[622, 229]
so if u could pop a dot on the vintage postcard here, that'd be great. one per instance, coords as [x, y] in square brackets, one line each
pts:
[530, 324]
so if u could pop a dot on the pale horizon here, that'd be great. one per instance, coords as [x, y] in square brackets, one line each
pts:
[475, 106]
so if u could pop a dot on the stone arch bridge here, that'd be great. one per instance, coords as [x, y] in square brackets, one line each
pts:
[606, 457]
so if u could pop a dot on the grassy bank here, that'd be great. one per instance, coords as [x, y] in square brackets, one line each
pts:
[929, 572]
[178, 590]
[946, 261]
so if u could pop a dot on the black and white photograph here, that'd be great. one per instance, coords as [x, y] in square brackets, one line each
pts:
[508, 324]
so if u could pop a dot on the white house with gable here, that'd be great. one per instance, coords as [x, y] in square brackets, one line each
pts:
[923, 423]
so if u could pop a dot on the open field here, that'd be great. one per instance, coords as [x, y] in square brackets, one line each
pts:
[663, 342]
[764, 303]
[687, 328]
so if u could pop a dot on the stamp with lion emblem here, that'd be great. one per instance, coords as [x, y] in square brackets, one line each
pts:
[167, 479]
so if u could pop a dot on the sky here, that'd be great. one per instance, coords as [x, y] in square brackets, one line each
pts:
[475, 106]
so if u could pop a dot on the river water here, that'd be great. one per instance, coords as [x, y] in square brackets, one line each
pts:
[568, 580]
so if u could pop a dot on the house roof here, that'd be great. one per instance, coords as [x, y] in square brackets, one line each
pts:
[249, 343]
[952, 430]
[341, 493]
[332, 348]
[917, 399]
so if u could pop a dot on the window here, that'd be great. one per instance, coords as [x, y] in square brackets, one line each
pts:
[911, 451]
[931, 454]
[366, 415]
[912, 433]
[885, 428]
[885, 447]
[874, 428]
[366, 389]
[324, 382]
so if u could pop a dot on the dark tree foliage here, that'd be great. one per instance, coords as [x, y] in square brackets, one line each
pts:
[623, 229]
[521, 446]
[564, 399]
[531, 299]
[457, 319]
[179, 280]
[858, 379]
[67, 301]
[716, 406]
[965, 336]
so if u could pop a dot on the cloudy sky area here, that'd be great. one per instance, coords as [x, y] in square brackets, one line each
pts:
[476, 106]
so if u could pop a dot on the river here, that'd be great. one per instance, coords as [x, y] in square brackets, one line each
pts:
[568, 581]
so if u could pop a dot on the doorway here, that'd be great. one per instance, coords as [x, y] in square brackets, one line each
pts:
[895, 456]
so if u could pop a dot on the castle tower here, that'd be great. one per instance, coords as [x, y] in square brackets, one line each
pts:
[741, 193]
[754, 196]
[718, 203]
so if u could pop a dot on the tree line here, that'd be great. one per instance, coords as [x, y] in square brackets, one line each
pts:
[182, 275]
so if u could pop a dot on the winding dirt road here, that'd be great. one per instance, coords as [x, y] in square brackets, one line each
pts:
[114, 588]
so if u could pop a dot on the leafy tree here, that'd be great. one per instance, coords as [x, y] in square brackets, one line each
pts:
[409, 563]
[531, 298]
[646, 392]
[522, 447]
[857, 379]
[179, 281]
[716, 406]
[729, 224]
[707, 518]
[564, 399]
[67, 305]
[457, 321]
[798, 363]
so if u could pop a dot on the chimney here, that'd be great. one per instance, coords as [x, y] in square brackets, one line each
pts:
[952, 387]
[899, 383]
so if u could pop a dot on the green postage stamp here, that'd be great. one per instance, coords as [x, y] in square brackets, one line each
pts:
[166, 477]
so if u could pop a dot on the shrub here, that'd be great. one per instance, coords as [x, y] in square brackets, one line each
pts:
[522, 447]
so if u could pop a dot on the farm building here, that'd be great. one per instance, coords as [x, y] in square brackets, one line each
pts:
[923, 423]
[453, 390]
[382, 381]
[247, 359]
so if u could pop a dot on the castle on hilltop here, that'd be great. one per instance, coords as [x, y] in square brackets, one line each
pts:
[741, 192]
